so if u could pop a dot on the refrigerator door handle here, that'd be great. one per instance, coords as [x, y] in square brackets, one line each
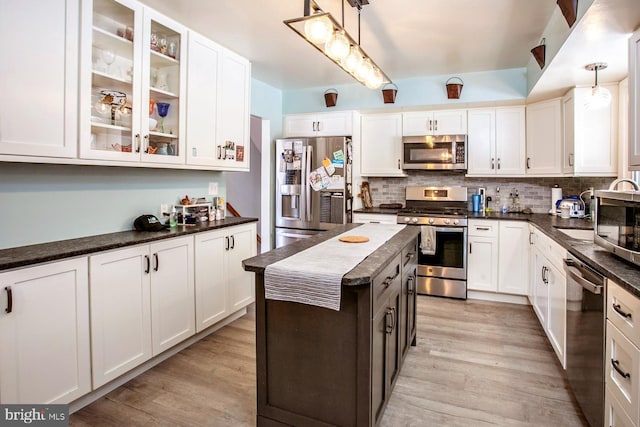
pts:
[303, 186]
[307, 185]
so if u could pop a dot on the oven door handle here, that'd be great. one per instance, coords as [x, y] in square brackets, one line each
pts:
[450, 229]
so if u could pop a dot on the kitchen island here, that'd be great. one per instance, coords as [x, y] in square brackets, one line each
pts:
[319, 367]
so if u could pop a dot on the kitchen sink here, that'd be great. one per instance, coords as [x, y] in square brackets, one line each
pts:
[574, 233]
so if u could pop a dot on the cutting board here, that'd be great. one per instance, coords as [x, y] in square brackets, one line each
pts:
[354, 239]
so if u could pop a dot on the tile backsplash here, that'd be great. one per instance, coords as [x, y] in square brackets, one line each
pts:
[535, 193]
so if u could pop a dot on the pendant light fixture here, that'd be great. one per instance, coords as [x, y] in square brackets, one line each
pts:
[600, 96]
[322, 31]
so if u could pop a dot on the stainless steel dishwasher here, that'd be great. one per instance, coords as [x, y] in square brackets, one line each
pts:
[585, 337]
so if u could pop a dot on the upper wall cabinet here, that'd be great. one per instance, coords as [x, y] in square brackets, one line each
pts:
[232, 146]
[39, 84]
[496, 141]
[634, 101]
[133, 84]
[218, 88]
[339, 123]
[590, 136]
[381, 145]
[544, 138]
[446, 122]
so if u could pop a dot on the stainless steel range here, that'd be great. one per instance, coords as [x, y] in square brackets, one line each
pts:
[442, 258]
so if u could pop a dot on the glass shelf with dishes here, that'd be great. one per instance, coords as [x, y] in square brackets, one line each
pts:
[165, 81]
[112, 89]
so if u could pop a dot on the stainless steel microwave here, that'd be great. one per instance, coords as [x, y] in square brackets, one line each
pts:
[434, 152]
[617, 223]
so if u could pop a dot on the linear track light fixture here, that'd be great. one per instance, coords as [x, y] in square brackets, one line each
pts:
[323, 32]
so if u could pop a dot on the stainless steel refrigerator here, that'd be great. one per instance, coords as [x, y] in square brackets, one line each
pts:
[313, 186]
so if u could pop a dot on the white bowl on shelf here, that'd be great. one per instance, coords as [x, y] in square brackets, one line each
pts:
[152, 123]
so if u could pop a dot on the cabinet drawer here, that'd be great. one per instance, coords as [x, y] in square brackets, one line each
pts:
[614, 415]
[557, 254]
[359, 218]
[480, 227]
[386, 281]
[623, 310]
[622, 363]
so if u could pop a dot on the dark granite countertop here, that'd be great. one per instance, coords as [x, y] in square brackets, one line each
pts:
[33, 254]
[377, 210]
[622, 272]
[360, 275]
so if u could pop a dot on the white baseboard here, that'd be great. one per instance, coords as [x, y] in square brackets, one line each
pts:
[91, 397]
[496, 297]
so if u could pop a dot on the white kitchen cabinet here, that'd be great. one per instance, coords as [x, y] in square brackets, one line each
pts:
[634, 101]
[498, 256]
[233, 144]
[133, 68]
[622, 347]
[549, 291]
[482, 255]
[366, 218]
[381, 145]
[339, 123]
[544, 138]
[222, 285]
[590, 142]
[44, 333]
[142, 303]
[496, 141]
[39, 84]
[443, 122]
[204, 72]
[513, 258]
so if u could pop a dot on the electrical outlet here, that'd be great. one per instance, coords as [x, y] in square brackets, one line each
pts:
[482, 191]
[213, 188]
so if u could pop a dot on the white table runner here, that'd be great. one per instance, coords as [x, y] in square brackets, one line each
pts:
[314, 276]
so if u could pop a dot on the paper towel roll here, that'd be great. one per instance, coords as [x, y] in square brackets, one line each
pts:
[556, 194]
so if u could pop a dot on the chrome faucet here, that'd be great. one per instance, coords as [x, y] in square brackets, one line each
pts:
[615, 183]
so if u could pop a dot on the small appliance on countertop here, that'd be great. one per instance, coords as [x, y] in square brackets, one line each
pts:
[575, 204]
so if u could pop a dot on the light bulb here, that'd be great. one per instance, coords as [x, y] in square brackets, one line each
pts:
[600, 98]
[352, 61]
[337, 47]
[364, 71]
[374, 81]
[318, 30]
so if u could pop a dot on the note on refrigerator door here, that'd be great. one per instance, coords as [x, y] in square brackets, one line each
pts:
[319, 179]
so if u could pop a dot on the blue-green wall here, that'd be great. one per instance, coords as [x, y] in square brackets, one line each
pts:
[42, 203]
[490, 86]
[266, 102]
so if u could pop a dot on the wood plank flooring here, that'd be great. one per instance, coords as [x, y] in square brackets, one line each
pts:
[475, 364]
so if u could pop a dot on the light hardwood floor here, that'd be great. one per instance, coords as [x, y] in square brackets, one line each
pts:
[475, 364]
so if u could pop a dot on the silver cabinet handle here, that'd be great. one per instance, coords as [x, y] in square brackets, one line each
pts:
[436, 125]
[498, 163]
[137, 142]
[570, 159]
[145, 144]
[492, 163]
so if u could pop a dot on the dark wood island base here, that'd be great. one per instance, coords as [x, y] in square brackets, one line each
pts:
[320, 367]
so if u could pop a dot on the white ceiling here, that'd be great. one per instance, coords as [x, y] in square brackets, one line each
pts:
[412, 38]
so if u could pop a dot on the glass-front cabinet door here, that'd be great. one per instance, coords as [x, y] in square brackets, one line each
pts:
[131, 80]
[163, 89]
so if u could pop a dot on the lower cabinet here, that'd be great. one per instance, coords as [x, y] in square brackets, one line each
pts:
[142, 303]
[549, 291]
[385, 354]
[408, 308]
[498, 256]
[221, 284]
[44, 333]
[622, 361]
